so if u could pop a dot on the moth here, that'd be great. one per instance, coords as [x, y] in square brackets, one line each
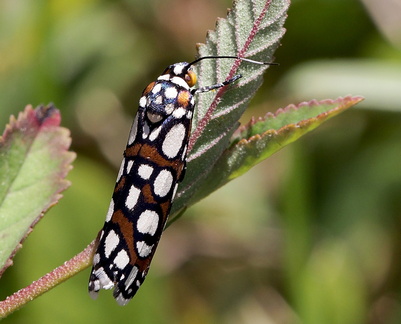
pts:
[153, 165]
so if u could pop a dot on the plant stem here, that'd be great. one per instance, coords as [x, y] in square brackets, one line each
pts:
[71, 267]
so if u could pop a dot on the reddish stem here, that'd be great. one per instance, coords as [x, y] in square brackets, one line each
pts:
[78, 263]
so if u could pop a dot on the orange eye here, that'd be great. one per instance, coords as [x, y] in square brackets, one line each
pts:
[190, 78]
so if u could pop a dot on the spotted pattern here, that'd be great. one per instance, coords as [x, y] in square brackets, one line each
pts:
[153, 165]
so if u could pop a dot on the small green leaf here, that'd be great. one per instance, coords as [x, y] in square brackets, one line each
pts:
[34, 159]
[252, 29]
[257, 140]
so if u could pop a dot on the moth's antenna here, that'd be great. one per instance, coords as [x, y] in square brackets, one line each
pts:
[231, 57]
[233, 79]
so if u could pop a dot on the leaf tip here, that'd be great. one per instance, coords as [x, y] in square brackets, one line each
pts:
[48, 115]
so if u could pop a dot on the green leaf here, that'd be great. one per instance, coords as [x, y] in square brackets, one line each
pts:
[252, 29]
[34, 159]
[257, 140]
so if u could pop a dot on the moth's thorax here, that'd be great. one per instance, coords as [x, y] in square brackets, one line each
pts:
[162, 98]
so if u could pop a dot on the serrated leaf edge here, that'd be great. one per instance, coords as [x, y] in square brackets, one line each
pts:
[66, 166]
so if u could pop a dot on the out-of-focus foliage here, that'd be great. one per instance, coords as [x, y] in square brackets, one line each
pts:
[311, 235]
[34, 160]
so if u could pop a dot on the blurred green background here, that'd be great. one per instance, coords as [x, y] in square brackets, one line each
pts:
[312, 235]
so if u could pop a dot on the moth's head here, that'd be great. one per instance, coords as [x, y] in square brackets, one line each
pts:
[183, 71]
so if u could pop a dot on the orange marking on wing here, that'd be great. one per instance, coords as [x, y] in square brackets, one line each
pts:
[149, 152]
[127, 231]
[133, 150]
[183, 98]
[120, 184]
[147, 194]
[148, 88]
[165, 209]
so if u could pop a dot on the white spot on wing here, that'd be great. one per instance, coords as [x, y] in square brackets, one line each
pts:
[169, 108]
[171, 93]
[153, 135]
[164, 77]
[110, 243]
[121, 260]
[130, 163]
[110, 211]
[96, 259]
[142, 102]
[180, 82]
[101, 235]
[145, 171]
[159, 100]
[173, 141]
[184, 152]
[132, 198]
[178, 113]
[131, 277]
[143, 249]
[145, 130]
[157, 88]
[174, 192]
[148, 222]
[121, 171]
[163, 182]
[134, 128]
[121, 300]
[178, 69]
[103, 281]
